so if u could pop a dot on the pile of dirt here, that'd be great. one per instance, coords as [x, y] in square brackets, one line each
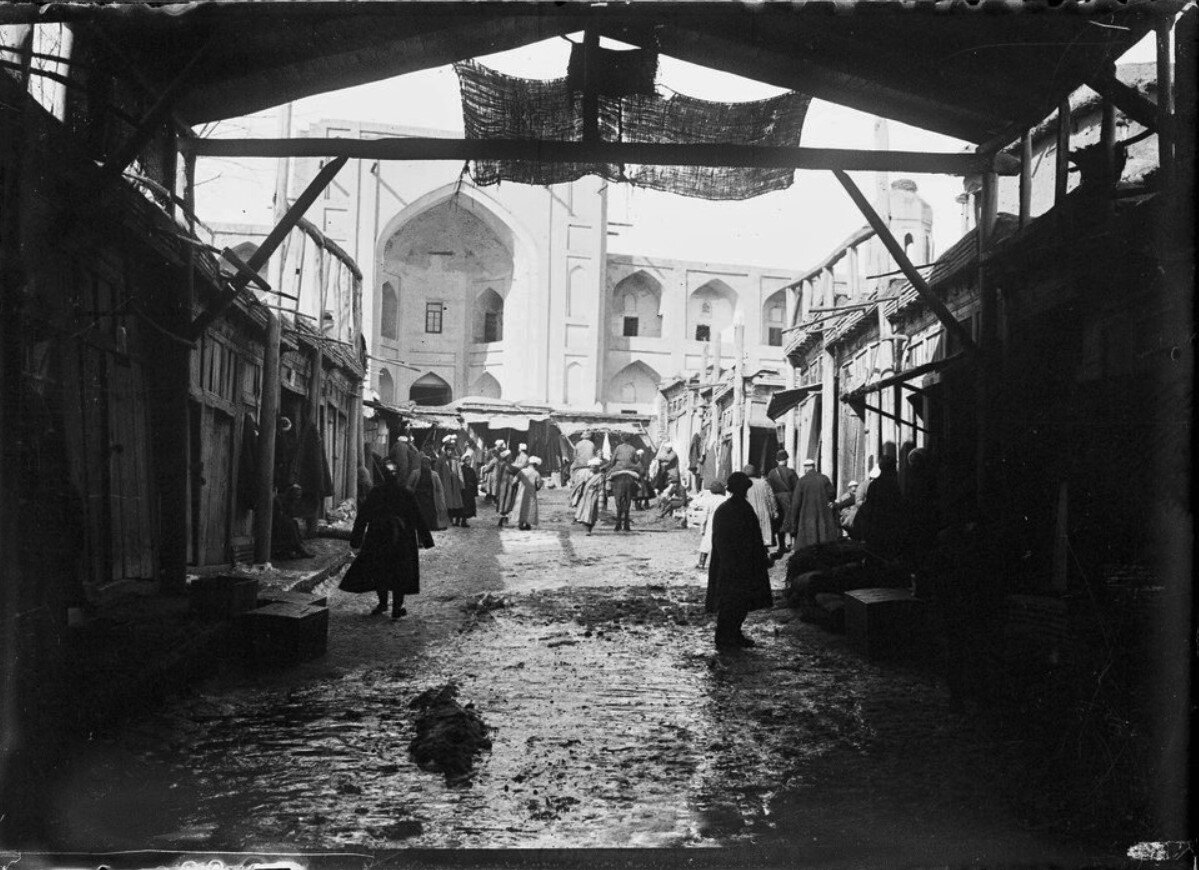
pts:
[448, 734]
[651, 605]
[485, 603]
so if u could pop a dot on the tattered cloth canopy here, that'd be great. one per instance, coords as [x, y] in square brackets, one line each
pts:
[498, 106]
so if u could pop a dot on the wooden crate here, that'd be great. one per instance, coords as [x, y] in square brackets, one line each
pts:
[223, 596]
[283, 633]
[277, 596]
[884, 623]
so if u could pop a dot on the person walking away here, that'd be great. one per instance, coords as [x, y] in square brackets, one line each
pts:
[738, 572]
[448, 467]
[846, 507]
[426, 487]
[718, 497]
[782, 479]
[470, 490]
[389, 531]
[761, 499]
[811, 506]
[880, 520]
[406, 458]
[584, 453]
[586, 491]
[644, 492]
[625, 475]
[530, 483]
[506, 494]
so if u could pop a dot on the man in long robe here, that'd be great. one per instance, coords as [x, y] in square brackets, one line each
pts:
[586, 491]
[448, 467]
[782, 479]
[505, 498]
[738, 572]
[880, 520]
[812, 520]
[470, 490]
[390, 530]
[625, 475]
[426, 486]
[530, 483]
[761, 499]
[584, 453]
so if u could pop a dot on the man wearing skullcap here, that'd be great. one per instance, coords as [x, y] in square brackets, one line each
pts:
[505, 498]
[738, 573]
[625, 475]
[584, 451]
[812, 520]
[448, 467]
[782, 479]
[846, 507]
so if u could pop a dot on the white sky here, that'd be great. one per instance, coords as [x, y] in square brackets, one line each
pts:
[791, 229]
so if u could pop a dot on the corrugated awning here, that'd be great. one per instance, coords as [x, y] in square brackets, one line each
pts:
[784, 400]
[901, 377]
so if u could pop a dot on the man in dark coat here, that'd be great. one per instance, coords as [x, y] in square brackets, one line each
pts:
[782, 479]
[389, 530]
[812, 520]
[880, 520]
[738, 572]
[625, 477]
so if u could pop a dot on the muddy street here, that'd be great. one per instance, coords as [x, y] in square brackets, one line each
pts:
[611, 723]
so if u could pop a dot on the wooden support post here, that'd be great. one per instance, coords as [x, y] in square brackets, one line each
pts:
[987, 370]
[269, 244]
[901, 259]
[268, 415]
[1025, 178]
[1062, 160]
[828, 414]
[739, 447]
[1165, 104]
[590, 88]
[1128, 100]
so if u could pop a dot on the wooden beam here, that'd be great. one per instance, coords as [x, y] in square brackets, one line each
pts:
[901, 259]
[259, 258]
[655, 154]
[157, 115]
[1062, 161]
[1165, 103]
[590, 89]
[1025, 177]
[1128, 100]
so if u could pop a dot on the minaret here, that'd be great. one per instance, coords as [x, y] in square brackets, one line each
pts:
[882, 180]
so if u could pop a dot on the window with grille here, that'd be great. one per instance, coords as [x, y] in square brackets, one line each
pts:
[433, 312]
[774, 336]
[703, 332]
[630, 327]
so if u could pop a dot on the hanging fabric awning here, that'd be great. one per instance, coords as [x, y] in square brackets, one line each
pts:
[784, 400]
[476, 417]
[519, 422]
[575, 427]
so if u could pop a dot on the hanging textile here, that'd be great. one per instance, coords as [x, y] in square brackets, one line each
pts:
[498, 106]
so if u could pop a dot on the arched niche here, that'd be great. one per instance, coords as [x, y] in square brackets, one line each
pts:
[635, 384]
[636, 306]
[710, 311]
[387, 387]
[774, 314]
[487, 387]
[389, 311]
[576, 293]
[572, 385]
[429, 389]
[488, 317]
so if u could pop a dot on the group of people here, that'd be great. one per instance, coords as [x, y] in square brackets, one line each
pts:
[892, 523]
[634, 477]
[511, 483]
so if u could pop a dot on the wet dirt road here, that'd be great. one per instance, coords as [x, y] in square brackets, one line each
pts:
[612, 722]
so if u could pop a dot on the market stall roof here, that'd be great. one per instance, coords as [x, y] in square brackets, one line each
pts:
[944, 66]
[784, 400]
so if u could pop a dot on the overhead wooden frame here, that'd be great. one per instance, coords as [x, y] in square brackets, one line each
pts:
[650, 154]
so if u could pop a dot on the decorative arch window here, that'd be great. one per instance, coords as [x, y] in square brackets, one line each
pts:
[389, 315]
[706, 308]
[907, 241]
[630, 303]
[489, 317]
